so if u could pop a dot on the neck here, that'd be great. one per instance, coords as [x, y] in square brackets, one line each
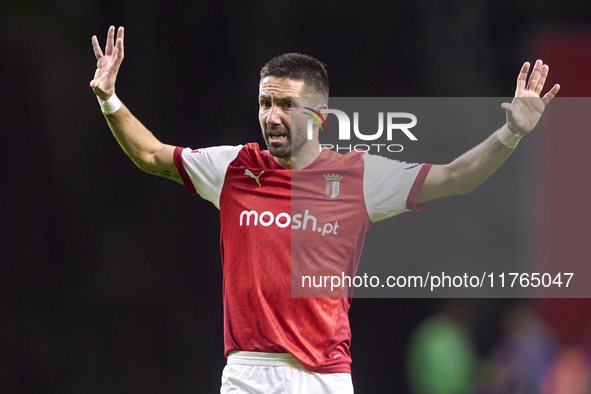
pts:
[302, 159]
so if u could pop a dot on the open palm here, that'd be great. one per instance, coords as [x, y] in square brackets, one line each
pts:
[524, 112]
[108, 64]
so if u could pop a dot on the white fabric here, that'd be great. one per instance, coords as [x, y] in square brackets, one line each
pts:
[207, 169]
[111, 105]
[386, 185]
[278, 373]
[507, 138]
[386, 182]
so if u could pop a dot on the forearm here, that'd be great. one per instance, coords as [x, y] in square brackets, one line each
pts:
[141, 146]
[475, 166]
[135, 139]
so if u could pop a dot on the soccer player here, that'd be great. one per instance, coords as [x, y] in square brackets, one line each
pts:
[275, 343]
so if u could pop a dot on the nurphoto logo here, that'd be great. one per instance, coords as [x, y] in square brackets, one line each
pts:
[393, 125]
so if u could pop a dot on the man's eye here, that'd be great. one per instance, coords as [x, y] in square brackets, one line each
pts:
[265, 104]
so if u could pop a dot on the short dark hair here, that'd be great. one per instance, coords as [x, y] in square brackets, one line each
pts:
[299, 67]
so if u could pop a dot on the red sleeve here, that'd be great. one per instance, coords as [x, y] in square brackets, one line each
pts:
[178, 162]
[416, 189]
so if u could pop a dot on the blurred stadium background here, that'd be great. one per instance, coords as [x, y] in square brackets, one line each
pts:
[111, 280]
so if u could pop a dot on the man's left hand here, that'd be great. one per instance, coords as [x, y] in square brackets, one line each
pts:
[525, 110]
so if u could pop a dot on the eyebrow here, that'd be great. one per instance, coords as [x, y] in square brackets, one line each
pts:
[294, 100]
[264, 96]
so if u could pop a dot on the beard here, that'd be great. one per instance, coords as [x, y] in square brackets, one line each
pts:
[291, 144]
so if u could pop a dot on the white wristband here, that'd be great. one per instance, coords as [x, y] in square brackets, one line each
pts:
[507, 138]
[111, 105]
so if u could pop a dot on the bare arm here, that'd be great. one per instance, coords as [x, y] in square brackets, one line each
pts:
[475, 166]
[146, 151]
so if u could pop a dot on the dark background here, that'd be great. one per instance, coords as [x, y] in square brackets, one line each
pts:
[110, 278]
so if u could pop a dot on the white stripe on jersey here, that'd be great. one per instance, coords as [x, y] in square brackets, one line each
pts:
[207, 169]
[386, 185]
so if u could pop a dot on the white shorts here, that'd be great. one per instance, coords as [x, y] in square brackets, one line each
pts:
[278, 373]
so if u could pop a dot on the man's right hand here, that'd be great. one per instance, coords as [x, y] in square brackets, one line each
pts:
[108, 64]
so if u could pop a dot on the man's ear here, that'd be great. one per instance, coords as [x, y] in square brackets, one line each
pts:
[323, 106]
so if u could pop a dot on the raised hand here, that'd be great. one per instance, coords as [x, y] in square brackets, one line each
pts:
[107, 65]
[525, 110]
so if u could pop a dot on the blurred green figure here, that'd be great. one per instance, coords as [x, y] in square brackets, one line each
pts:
[441, 355]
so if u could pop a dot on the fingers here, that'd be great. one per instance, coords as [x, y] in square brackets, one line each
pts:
[522, 77]
[98, 53]
[95, 82]
[550, 95]
[112, 47]
[507, 107]
[535, 75]
[113, 57]
[540, 85]
[536, 82]
[119, 45]
[110, 41]
[120, 33]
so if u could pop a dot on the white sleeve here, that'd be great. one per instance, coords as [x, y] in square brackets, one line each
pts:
[203, 170]
[391, 187]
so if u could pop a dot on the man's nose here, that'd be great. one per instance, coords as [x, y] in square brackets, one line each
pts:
[274, 115]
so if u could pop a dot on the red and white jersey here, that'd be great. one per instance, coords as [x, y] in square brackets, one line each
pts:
[270, 216]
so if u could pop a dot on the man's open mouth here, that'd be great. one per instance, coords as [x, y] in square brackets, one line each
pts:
[277, 137]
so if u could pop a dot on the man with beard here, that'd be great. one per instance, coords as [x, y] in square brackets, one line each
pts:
[274, 342]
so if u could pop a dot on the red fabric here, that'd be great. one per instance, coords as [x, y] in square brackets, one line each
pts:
[416, 189]
[178, 162]
[260, 313]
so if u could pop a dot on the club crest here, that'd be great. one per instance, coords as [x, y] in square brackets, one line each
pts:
[333, 185]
